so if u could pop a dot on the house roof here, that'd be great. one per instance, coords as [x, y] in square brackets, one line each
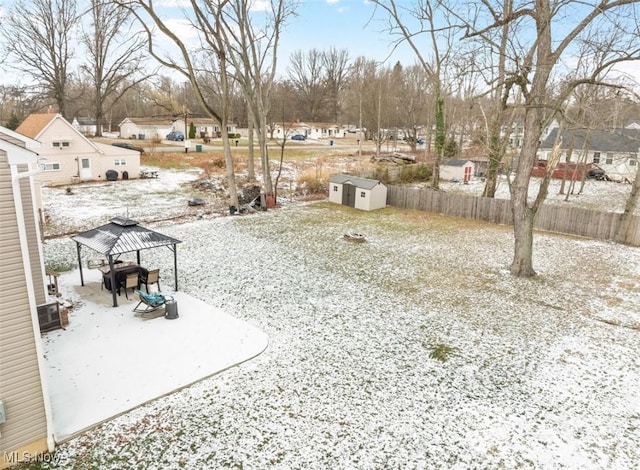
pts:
[363, 183]
[603, 140]
[122, 235]
[19, 149]
[455, 162]
[34, 124]
[149, 121]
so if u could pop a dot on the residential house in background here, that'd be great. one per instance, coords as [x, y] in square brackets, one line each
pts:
[147, 128]
[68, 157]
[515, 132]
[312, 130]
[86, 126]
[206, 127]
[613, 150]
[635, 124]
[26, 426]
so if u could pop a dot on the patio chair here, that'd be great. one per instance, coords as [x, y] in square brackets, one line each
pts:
[150, 302]
[150, 277]
[131, 281]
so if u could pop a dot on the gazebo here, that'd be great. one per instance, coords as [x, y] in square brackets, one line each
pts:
[122, 235]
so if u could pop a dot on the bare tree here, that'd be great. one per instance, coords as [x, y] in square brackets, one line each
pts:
[114, 55]
[306, 73]
[38, 35]
[253, 53]
[336, 69]
[433, 22]
[206, 70]
[532, 71]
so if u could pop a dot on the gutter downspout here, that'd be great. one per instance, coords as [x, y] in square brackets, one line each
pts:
[22, 230]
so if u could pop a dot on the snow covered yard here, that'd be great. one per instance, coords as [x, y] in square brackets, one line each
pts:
[416, 349]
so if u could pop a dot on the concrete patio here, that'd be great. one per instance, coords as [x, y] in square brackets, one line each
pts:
[109, 360]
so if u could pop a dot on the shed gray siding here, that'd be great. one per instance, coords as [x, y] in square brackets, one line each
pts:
[20, 384]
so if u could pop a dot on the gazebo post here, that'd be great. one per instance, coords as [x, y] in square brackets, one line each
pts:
[112, 275]
[175, 265]
[138, 257]
[80, 264]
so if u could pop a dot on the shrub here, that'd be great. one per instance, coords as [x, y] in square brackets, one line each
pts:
[314, 182]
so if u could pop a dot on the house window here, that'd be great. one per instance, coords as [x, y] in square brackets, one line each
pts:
[335, 187]
[596, 157]
[60, 144]
[363, 194]
[609, 159]
[120, 162]
[50, 166]
[633, 159]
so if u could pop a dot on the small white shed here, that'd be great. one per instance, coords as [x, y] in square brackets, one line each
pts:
[457, 170]
[361, 193]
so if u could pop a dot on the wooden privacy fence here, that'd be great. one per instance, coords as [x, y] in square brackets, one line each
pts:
[569, 220]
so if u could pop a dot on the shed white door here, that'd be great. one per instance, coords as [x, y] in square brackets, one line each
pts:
[85, 168]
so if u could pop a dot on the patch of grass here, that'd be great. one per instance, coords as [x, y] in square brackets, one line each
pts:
[441, 352]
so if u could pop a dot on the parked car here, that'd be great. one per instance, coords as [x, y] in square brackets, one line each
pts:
[127, 145]
[298, 137]
[175, 135]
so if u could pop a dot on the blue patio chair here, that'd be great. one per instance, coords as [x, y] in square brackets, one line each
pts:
[150, 302]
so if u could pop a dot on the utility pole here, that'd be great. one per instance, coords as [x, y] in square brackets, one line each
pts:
[186, 113]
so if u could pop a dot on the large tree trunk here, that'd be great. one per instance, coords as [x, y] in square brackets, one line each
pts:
[523, 214]
[623, 229]
[522, 265]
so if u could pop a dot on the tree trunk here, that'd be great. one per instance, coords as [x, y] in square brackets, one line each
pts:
[522, 265]
[523, 215]
[264, 155]
[440, 140]
[625, 221]
[230, 172]
[251, 171]
[495, 157]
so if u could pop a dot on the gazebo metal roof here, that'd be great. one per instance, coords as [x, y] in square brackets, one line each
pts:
[123, 235]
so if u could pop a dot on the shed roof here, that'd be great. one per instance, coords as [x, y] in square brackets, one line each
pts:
[122, 235]
[363, 183]
[455, 162]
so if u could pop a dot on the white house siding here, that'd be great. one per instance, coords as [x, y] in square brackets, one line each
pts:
[20, 388]
[616, 165]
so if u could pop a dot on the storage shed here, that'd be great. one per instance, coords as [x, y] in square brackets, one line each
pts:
[457, 170]
[361, 193]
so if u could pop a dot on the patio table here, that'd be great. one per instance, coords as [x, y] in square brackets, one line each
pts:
[121, 271]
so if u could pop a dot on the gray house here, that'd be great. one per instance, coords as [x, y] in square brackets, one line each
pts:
[361, 193]
[613, 150]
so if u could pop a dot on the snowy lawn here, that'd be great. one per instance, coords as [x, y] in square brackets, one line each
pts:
[416, 349]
